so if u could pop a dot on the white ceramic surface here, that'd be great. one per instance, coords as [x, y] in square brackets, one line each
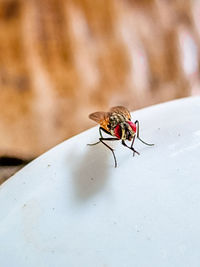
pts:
[71, 207]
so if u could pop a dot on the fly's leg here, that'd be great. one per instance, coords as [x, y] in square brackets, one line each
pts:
[133, 141]
[100, 129]
[131, 147]
[111, 149]
[134, 151]
[102, 139]
[93, 144]
[138, 136]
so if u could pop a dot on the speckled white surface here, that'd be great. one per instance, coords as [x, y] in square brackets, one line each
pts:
[71, 207]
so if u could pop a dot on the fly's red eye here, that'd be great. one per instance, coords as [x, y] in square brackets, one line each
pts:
[133, 126]
[118, 131]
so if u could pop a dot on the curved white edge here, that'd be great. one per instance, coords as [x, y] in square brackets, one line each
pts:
[71, 207]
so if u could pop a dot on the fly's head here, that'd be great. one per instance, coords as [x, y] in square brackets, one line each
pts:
[125, 130]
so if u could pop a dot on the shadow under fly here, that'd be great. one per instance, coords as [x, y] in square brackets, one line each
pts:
[90, 173]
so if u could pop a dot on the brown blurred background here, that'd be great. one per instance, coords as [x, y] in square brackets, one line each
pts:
[62, 59]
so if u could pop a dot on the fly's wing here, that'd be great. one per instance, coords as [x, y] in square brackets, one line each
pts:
[121, 110]
[98, 116]
[101, 118]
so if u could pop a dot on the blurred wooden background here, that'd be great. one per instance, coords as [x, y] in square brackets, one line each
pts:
[62, 59]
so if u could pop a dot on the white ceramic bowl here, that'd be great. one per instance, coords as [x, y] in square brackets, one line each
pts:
[71, 207]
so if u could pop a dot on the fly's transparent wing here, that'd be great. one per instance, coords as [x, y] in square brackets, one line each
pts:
[99, 116]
